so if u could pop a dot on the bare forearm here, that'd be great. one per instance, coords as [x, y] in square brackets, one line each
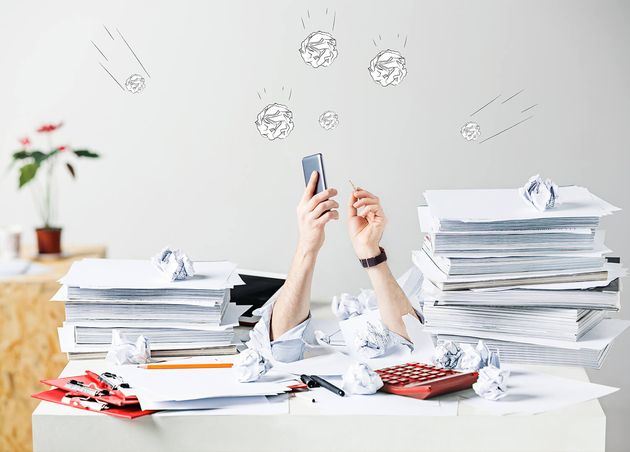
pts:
[392, 301]
[293, 303]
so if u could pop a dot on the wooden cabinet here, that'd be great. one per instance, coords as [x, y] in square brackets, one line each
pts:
[29, 347]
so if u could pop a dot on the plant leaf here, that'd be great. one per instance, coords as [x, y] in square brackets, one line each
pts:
[85, 153]
[71, 170]
[39, 156]
[21, 155]
[27, 173]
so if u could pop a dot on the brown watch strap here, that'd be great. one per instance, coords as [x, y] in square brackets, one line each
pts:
[374, 261]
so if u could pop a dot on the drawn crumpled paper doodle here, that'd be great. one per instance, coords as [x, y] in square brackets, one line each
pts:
[275, 121]
[471, 131]
[319, 49]
[388, 68]
[329, 120]
[135, 83]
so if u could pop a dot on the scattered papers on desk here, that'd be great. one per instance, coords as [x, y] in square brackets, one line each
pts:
[326, 364]
[176, 385]
[532, 392]
[376, 404]
[227, 406]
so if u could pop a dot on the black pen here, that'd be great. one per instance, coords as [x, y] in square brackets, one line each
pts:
[308, 381]
[326, 384]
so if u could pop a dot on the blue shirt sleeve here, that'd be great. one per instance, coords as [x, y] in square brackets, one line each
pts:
[288, 347]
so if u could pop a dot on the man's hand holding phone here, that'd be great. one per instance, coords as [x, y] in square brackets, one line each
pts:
[313, 212]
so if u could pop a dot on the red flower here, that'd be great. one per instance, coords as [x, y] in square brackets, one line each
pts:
[62, 148]
[47, 128]
[25, 141]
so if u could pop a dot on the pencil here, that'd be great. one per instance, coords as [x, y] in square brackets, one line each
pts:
[187, 366]
[353, 186]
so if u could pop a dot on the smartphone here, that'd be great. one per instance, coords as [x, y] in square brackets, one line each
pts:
[312, 163]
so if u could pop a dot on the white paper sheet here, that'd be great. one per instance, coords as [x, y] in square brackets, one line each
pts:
[507, 204]
[229, 320]
[376, 404]
[421, 338]
[596, 339]
[204, 404]
[234, 406]
[190, 384]
[141, 274]
[62, 296]
[323, 365]
[531, 392]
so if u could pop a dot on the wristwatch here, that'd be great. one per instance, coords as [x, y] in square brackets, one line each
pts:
[374, 261]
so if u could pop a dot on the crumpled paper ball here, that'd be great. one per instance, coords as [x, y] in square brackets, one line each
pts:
[372, 341]
[388, 67]
[447, 354]
[327, 339]
[175, 264]
[493, 359]
[251, 365]
[275, 121]
[322, 338]
[123, 351]
[367, 297]
[471, 131]
[135, 83]
[329, 120]
[541, 194]
[360, 379]
[492, 383]
[345, 306]
[473, 358]
[319, 49]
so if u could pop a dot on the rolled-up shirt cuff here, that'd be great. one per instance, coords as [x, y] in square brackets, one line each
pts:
[288, 347]
[398, 339]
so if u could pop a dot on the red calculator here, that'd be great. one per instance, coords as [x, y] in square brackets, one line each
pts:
[423, 381]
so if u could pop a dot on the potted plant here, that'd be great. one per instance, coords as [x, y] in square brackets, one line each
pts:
[34, 162]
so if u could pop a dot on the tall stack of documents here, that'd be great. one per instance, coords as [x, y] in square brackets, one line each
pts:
[534, 285]
[180, 318]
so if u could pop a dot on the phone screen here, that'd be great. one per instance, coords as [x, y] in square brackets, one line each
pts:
[312, 163]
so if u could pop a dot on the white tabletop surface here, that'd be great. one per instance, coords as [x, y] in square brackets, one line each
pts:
[580, 427]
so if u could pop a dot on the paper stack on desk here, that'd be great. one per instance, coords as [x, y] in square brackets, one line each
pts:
[533, 284]
[180, 318]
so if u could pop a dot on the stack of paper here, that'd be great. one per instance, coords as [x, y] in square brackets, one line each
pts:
[180, 318]
[533, 284]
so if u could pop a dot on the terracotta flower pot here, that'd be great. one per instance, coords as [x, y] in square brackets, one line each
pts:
[49, 240]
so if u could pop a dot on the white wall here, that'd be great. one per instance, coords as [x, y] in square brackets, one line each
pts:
[184, 165]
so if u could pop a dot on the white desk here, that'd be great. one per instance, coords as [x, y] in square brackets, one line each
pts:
[581, 427]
